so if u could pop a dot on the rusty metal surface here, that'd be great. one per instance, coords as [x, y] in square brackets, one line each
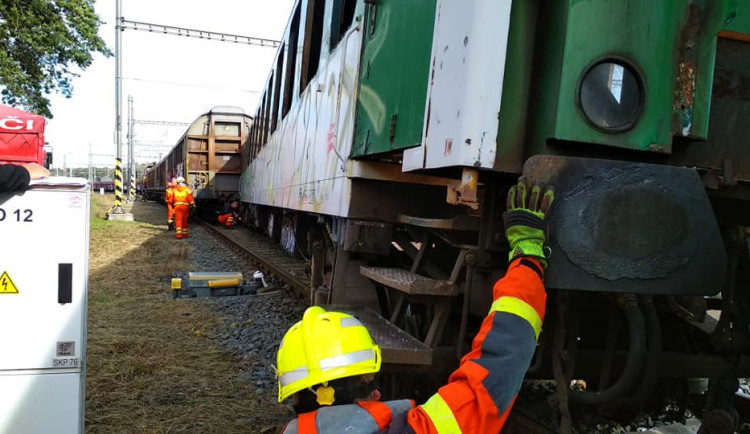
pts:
[210, 164]
[684, 98]
[728, 127]
[464, 192]
[397, 346]
[367, 237]
[629, 227]
[408, 282]
[457, 223]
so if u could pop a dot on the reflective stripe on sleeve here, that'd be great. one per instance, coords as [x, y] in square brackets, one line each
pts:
[518, 307]
[441, 415]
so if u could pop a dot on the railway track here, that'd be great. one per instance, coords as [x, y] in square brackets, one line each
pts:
[262, 252]
[268, 257]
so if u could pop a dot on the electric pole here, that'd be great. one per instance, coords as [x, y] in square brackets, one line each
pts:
[117, 209]
[91, 175]
[120, 25]
[131, 154]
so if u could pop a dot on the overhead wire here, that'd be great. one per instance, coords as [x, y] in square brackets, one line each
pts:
[176, 83]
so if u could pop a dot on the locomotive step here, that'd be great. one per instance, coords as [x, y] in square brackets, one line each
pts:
[408, 282]
[397, 347]
[457, 223]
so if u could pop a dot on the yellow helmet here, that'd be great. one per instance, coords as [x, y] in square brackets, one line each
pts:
[324, 346]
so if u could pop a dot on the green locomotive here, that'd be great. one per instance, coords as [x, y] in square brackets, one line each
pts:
[390, 130]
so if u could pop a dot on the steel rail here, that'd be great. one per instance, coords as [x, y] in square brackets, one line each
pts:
[298, 285]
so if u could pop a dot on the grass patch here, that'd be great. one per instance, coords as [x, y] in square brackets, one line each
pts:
[100, 203]
[153, 364]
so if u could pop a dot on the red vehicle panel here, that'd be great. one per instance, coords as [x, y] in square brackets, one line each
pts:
[21, 136]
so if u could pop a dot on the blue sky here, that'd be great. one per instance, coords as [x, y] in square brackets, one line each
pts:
[171, 78]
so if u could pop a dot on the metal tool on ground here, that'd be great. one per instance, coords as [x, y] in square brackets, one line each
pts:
[176, 288]
[203, 284]
[260, 279]
[215, 284]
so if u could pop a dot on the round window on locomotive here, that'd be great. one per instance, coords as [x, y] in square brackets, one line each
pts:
[611, 96]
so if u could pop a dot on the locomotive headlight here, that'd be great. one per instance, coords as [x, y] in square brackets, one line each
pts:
[611, 96]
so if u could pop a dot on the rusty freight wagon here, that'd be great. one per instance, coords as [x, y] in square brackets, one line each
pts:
[208, 156]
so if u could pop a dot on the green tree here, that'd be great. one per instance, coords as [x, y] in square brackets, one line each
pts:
[42, 45]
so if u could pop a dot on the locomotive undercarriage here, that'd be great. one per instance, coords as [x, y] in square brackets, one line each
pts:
[632, 351]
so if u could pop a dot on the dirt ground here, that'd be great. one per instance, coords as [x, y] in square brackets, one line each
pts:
[152, 364]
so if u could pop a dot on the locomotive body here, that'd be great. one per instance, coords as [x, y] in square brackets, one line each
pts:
[208, 156]
[389, 132]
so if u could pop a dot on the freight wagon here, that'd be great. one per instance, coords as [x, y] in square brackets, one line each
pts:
[208, 156]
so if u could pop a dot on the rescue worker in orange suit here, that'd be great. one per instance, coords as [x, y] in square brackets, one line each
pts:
[329, 358]
[230, 215]
[169, 200]
[183, 202]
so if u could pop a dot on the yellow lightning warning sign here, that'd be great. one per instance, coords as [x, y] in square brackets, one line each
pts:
[6, 285]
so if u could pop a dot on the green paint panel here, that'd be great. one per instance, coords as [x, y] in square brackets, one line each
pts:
[511, 134]
[578, 34]
[393, 77]
[737, 16]
[641, 31]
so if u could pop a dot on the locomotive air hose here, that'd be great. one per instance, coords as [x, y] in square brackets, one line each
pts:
[635, 361]
[655, 344]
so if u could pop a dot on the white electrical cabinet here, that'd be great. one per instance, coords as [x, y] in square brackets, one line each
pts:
[44, 243]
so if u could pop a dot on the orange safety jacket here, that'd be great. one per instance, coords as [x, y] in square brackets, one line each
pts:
[169, 195]
[182, 195]
[481, 392]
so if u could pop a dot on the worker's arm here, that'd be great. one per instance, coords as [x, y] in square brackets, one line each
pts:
[481, 392]
[13, 178]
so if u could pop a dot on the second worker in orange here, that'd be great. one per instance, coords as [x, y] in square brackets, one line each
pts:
[169, 200]
[183, 201]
